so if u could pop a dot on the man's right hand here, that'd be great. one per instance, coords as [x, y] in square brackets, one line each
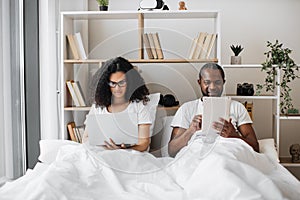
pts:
[196, 123]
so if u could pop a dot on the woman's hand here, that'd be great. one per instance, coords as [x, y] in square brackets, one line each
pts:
[111, 145]
[196, 123]
[225, 128]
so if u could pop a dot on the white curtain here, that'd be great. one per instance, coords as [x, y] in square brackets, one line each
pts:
[12, 121]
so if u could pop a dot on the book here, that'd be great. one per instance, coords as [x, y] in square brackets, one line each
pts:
[70, 127]
[147, 46]
[205, 46]
[80, 47]
[72, 92]
[79, 93]
[200, 45]
[157, 45]
[152, 46]
[73, 46]
[193, 47]
[211, 45]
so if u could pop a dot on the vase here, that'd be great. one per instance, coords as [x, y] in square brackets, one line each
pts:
[236, 60]
[103, 8]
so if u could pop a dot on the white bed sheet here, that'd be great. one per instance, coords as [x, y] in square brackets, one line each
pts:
[226, 169]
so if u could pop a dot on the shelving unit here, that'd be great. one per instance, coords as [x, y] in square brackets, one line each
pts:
[277, 117]
[144, 21]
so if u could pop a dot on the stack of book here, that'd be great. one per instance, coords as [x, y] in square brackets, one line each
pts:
[153, 46]
[202, 46]
[75, 132]
[76, 93]
[76, 46]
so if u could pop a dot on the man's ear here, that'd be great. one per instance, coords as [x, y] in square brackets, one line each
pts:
[199, 81]
[224, 81]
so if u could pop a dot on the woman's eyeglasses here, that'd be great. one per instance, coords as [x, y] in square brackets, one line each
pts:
[113, 84]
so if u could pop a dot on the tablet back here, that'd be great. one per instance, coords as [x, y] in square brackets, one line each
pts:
[120, 127]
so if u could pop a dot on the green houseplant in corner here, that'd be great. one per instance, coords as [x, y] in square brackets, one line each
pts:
[278, 59]
[236, 59]
[103, 5]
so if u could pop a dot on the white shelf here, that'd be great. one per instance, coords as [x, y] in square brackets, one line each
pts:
[243, 66]
[261, 97]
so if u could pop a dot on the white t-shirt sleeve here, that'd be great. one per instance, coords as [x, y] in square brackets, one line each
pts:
[239, 114]
[185, 114]
[143, 113]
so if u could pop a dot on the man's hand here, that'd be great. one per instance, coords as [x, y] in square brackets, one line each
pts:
[225, 128]
[196, 123]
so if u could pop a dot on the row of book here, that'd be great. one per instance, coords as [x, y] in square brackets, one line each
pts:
[76, 46]
[75, 132]
[202, 46]
[153, 46]
[76, 93]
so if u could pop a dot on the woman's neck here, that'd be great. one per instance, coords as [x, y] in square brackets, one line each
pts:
[118, 105]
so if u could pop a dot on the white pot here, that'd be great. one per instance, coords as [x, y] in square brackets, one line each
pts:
[236, 60]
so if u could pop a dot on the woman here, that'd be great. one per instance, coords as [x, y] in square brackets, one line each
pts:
[120, 88]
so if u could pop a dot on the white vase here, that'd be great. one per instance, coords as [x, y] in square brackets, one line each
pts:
[236, 60]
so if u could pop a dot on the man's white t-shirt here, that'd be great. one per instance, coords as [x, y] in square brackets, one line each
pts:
[188, 110]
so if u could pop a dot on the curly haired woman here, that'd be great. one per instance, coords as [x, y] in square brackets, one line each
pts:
[120, 88]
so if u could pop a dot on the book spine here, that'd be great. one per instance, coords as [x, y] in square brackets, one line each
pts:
[79, 93]
[151, 41]
[157, 45]
[79, 43]
[73, 94]
[147, 46]
[72, 46]
[71, 131]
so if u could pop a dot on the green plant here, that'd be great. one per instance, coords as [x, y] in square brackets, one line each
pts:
[102, 2]
[236, 49]
[278, 59]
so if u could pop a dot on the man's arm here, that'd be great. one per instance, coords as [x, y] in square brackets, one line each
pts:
[181, 136]
[245, 132]
[248, 135]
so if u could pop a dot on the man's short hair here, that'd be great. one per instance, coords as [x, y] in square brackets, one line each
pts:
[212, 66]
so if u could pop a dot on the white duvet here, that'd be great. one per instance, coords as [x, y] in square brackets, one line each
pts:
[226, 169]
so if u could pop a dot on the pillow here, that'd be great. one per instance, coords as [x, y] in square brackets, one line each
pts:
[166, 135]
[49, 149]
[152, 105]
[267, 147]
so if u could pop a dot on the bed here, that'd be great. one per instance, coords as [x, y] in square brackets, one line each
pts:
[227, 168]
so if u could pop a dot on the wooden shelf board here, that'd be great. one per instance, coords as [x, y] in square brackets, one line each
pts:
[287, 162]
[290, 116]
[234, 96]
[97, 61]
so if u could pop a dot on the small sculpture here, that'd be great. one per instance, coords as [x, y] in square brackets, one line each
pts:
[295, 152]
[182, 5]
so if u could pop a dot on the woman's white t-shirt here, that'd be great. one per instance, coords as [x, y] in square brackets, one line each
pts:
[139, 108]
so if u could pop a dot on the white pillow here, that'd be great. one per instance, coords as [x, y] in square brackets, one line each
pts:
[166, 135]
[152, 105]
[267, 147]
[49, 149]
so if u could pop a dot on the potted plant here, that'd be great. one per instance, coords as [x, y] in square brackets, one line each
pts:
[103, 5]
[278, 59]
[236, 59]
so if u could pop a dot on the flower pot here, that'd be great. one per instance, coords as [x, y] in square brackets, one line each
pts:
[103, 8]
[236, 60]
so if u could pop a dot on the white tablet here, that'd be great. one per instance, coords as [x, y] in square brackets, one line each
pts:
[214, 108]
[120, 127]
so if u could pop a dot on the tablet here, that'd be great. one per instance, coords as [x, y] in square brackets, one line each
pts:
[120, 127]
[213, 109]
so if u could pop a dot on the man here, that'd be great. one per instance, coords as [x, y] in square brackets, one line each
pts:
[188, 118]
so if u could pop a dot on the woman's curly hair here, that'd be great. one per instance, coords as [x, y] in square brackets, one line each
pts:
[136, 89]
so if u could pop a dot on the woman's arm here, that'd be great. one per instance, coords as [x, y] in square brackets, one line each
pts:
[144, 138]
